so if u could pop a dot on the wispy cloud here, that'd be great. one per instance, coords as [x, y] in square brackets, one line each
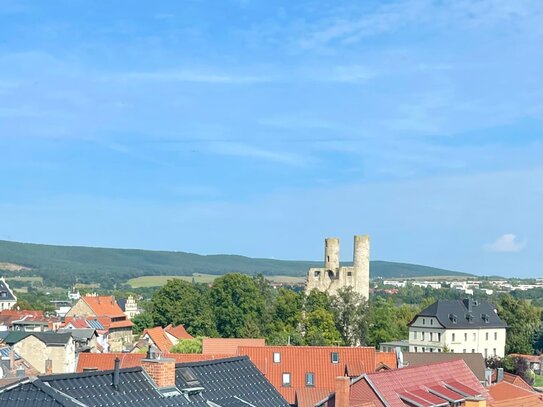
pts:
[195, 77]
[251, 151]
[505, 243]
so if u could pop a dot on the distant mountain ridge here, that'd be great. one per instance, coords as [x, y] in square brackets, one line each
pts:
[62, 265]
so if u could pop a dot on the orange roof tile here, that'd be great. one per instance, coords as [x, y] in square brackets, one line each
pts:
[228, 346]
[299, 360]
[386, 358]
[159, 338]
[178, 332]
[106, 361]
[508, 395]
[516, 380]
[309, 396]
[103, 305]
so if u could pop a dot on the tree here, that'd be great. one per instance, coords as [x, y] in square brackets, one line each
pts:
[523, 321]
[238, 306]
[143, 321]
[383, 324]
[350, 313]
[188, 346]
[180, 302]
[321, 329]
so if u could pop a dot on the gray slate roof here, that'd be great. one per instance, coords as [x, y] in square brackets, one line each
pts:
[49, 338]
[461, 314]
[232, 382]
[79, 333]
[5, 293]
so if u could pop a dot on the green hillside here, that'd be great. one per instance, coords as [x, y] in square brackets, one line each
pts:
[64, 265]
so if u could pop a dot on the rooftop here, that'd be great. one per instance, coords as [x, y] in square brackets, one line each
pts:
[229, 346]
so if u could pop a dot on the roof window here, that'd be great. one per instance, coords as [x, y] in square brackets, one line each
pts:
[486, 318]
[453, 318]
[335, 357]
[276, 357]
[469, 317]
[188, 376]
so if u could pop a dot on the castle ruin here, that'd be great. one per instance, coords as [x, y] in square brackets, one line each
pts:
[332, 276]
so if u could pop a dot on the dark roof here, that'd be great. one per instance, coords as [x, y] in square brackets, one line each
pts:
[49, 338]
[228, 378]
[475, 361]
[8, 295]
[465, 313]
[79, 333]
[232, 382]
[121, 302]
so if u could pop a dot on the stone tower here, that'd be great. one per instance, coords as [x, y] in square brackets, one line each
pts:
[333, 276]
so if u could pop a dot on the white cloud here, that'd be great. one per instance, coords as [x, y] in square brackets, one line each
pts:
[505, 243]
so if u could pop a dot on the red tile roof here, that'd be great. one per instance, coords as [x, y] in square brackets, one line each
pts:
[529, 358]
[159, 338]
[178, 332]
[309, 396]
[392, 385]
[106, 361]
[228, 346]
[516, 380]
[299, 360]
[103, 306]
[508, 395]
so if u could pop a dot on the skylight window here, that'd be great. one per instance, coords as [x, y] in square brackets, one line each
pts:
[335, 357]
[188, 376]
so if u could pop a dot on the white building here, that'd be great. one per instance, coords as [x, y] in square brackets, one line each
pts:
[462, 326]
[7, 298]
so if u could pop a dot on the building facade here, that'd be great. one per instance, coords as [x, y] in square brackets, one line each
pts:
[459, 326]
[332, 277]
[7, 298]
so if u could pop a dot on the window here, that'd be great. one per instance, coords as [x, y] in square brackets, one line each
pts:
[465, 336]
[486, 353]
[414, 334]
[431, 322]
[473, 351]
[317, 273]
[286, 379]
[495, 336]
[310, 379]
[416, 349]
[349, 273]
[424, 336]
[474, 336]
[438, 337]
[453, 337]
[464, 351]
[494, 352]
[423, 321]
[276, 357]
[335, 357]
[486, 336]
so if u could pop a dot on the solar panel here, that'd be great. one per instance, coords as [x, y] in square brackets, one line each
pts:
[4, 352]
[461, 388]
[95, 324]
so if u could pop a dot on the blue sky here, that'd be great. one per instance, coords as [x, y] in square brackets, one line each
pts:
[258, 128]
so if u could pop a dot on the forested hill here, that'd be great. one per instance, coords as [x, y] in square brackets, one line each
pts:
[62, 265]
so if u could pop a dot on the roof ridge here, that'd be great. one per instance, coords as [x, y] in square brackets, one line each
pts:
[211, 361]
[420, 366]
[61, 376]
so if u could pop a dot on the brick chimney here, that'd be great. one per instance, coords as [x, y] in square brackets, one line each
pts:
[162, 371]
[343, 389]
[48, 366]
[475, 402]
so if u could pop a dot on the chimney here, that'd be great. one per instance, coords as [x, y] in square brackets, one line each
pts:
[116, 377]
[48, 366]
[161, 371]
[11, 359]
[475, 402]
[343, 388]
[499, 375]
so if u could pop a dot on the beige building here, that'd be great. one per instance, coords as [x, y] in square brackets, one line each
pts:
[332, 277]
[460, 326]
[40, 347]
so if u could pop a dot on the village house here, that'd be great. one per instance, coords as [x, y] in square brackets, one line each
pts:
[233, 382]
[129, 306]
[48, 352]
[109, 314]
[461, 326]
[164, 338]
[7, 297]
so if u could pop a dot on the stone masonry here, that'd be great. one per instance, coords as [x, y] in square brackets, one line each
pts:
[332, 276]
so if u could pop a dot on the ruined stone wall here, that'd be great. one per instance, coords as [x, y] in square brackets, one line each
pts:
[332, 277]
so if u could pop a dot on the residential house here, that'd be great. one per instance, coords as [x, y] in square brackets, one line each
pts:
[86, 339]
[106, 361]
[228, 346]
[48, 352]
[110, 316]
[461, 326]
[303, 374]
[164, 338]
[13, 367]
[7, 317]
[441, 384]
[535, 362]
[102, 344]
[232, 382]
[475, 361]
[506, 394]
[7, 297]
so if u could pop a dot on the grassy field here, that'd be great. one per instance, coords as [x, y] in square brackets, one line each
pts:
[27, 279]
[157, 281]
[538, 381]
